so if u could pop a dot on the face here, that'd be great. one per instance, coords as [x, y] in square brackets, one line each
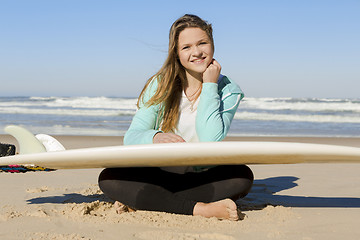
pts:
[195, 50]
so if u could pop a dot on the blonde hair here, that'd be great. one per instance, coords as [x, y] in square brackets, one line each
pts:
[172, 73]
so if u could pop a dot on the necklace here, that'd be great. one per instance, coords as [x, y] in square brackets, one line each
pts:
[193, 98]
[194, 94]
[192, 103]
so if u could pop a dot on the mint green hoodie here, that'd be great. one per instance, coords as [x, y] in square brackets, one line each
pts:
[217, 106]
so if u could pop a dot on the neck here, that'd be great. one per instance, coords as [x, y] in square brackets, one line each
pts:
[192, 81]
[192, 86]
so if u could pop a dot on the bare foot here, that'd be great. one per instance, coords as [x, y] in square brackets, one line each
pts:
[223, 209]
[121, 208]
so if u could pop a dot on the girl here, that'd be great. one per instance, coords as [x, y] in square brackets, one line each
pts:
[186, 101]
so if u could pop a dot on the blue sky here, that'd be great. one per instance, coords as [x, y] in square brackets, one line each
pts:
[271, 48]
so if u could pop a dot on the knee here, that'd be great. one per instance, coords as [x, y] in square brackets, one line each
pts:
[240, 188]
[114, 174]
[104, 175]
[244, 180]
[106, 179]
[242, 172]
[248, 173]
[110, 185]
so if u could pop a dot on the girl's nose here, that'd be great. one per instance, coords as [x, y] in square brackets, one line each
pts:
[196, 51]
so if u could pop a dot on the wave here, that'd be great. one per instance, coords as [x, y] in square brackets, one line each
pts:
[294, 104]
[71, 102]
[262, 109]
[112, 115]
[67, 112]
[310, 105]
[66, 106]
[296, 118]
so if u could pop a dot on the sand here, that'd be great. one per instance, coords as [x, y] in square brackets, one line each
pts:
[299, 201]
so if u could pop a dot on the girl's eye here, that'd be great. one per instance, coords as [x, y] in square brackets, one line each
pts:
[202, 43]
[186, 47]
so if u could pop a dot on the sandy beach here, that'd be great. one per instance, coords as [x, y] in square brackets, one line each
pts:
[296, 201]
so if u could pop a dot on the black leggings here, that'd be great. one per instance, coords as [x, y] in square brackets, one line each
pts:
[157, 190]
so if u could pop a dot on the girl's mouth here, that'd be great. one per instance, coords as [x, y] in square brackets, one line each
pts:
[198, 61]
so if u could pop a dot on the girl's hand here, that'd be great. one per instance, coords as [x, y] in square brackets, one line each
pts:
[167, 138]
[212, 72]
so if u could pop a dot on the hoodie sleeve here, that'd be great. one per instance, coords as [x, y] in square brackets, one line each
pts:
[217, 107]
[144, 124]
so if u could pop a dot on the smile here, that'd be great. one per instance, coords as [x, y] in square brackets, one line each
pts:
[197, 61]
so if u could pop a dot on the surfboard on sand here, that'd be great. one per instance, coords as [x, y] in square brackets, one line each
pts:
[188, 154]
[29, 143]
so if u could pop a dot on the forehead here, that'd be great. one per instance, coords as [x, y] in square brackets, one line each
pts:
[192, 35]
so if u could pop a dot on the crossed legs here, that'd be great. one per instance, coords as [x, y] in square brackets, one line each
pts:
[208, 193]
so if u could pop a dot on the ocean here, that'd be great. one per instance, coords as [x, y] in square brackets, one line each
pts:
[111, 116]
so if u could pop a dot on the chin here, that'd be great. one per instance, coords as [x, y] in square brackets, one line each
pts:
[197, 71]
[201, 68]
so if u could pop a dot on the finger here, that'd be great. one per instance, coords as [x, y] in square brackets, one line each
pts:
[212, 62]
[169, 138]
[179, 139]
[176, 137]
[216, 63]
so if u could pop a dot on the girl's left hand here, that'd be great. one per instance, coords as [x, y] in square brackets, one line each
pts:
[212, 72]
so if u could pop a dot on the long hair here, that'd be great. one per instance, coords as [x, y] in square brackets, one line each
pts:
[172, 73]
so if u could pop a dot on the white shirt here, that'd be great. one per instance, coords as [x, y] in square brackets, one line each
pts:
[186, 124]
[186, 128]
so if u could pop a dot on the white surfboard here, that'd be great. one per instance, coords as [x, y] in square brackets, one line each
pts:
[27, 141]
[189, 154]
[50, 143]
[30, 143]
[172, 154]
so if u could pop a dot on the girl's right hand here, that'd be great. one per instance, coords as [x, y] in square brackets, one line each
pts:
[212, 72]
[167, 138]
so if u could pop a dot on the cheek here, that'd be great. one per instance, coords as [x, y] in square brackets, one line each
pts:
[209, 51]
[183, 58]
